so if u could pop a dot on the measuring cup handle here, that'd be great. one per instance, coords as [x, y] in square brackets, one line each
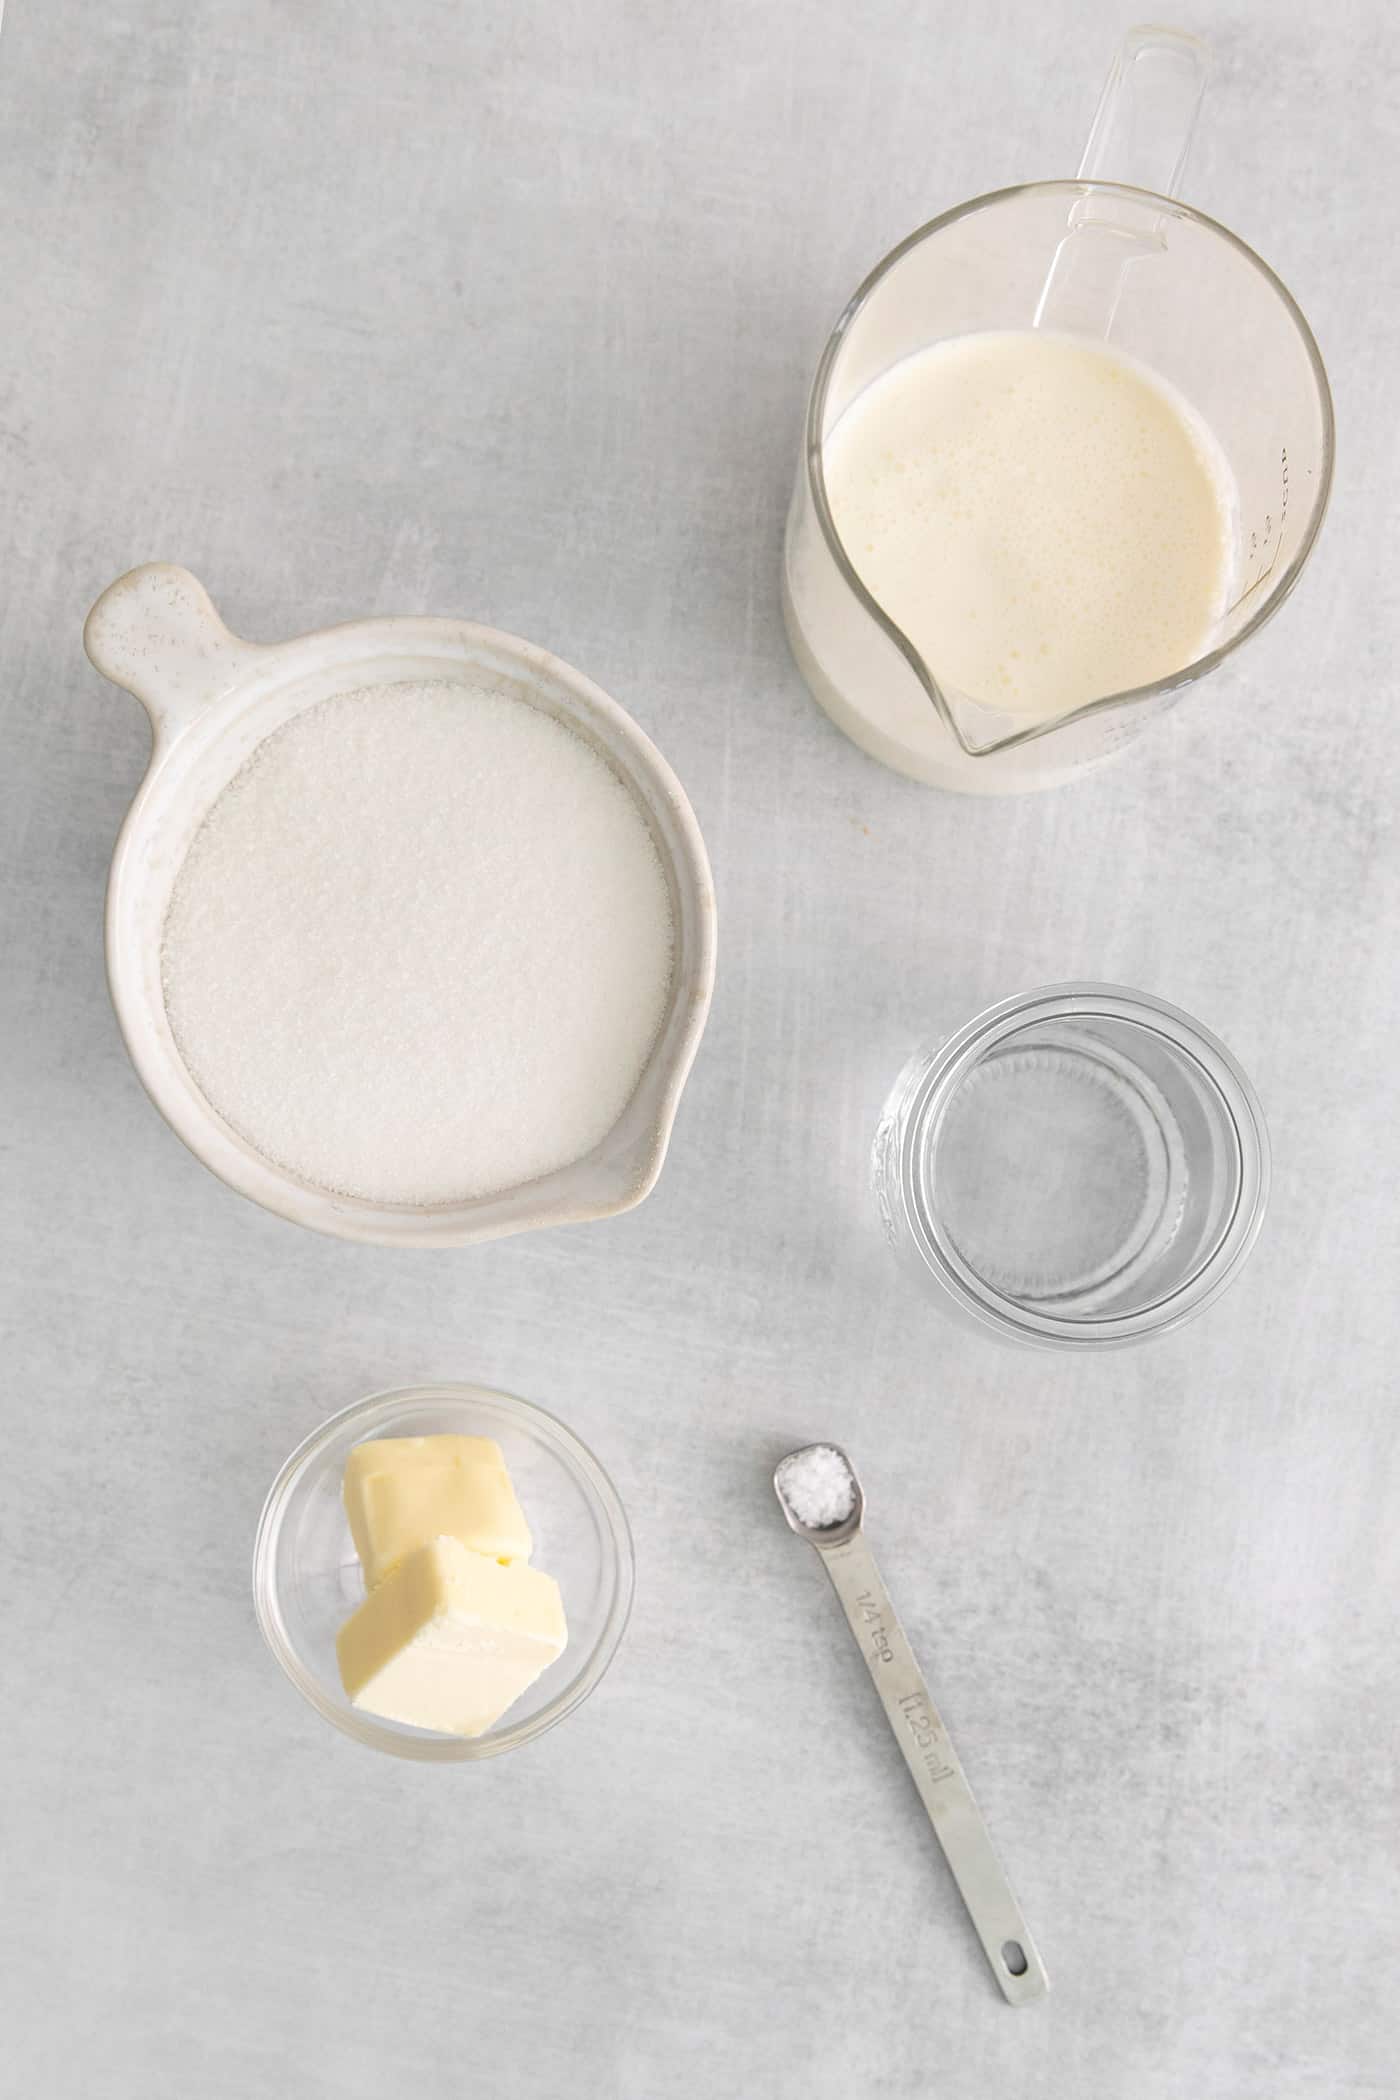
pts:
[1146, 118]
[155, 632]
[1141, 135]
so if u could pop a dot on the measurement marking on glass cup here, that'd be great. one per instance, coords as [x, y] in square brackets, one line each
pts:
[1257, 546]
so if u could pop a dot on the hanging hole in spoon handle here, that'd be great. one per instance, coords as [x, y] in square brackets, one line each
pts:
[1141, 135]
[155, 632]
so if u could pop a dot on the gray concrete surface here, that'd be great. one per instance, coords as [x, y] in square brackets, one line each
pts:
[509, 310]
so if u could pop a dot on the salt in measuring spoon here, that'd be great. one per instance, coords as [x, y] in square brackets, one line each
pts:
[821, 1498]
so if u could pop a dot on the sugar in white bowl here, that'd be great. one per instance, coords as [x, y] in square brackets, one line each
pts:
[421, 946]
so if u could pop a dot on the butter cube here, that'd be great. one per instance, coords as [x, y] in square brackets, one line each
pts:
[402, 1491]
[450, 1639]
[383, 1452]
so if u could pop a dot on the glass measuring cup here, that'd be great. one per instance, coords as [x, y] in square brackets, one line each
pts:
[1101, 260]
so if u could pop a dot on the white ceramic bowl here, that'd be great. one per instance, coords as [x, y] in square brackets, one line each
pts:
[212, 699]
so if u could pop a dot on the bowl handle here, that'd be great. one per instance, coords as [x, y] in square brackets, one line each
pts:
[155, 632]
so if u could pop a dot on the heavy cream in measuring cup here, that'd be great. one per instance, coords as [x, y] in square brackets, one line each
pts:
[1045, 519]
[421, 946]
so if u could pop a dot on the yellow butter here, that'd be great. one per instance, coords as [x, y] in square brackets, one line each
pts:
[450, 1639]
[402, 1491]
[383, 1452]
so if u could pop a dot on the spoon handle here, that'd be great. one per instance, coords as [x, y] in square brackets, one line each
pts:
[933, 1764]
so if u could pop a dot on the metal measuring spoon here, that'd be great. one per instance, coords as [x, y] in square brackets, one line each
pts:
[827, 1510]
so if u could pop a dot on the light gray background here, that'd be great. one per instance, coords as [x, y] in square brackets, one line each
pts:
[509, 310]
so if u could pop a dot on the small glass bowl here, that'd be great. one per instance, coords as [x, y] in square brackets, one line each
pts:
[307, 1580]
[1077, 1168]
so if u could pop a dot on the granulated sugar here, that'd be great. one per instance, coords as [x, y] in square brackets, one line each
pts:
[421, 946]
